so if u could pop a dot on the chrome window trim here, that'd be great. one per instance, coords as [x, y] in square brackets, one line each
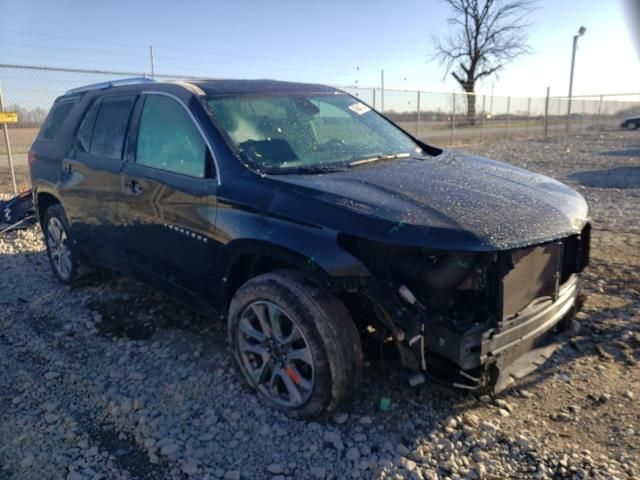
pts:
[195, 121]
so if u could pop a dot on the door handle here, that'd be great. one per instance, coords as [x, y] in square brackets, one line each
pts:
[134, 187]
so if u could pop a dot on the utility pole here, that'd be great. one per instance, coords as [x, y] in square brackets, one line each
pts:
[581, 31]
[546, 113]
[8, 145]
[153, 73]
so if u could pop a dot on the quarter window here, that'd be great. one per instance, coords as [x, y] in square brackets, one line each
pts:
[111, 127]
[55, 119]
[168, 139]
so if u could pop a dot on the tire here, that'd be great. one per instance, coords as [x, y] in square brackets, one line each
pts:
[63, 256]
[330, 368]
[632, 125]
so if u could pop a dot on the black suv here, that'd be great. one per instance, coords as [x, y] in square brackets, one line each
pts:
[314, 226]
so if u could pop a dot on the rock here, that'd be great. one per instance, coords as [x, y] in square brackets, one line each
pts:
[51, 375]
[402, 450]
[190, 468]
[169, 449]
[523, 443]
[27, 461]
[488, 426]
[318, 472]
[574, 408]
[526, 394]
[353, 454]
[605, 397]
[341, 418]
[359, 437]
[275, 469]
[504, 404]
[503, 412]
[471, 419]
[232, 475]
[629, 394]
[485, 399]
[366, 420]
[334, 438]
[409, 465]
[562, 417]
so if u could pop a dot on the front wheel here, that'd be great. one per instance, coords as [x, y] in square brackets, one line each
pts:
[294, 343]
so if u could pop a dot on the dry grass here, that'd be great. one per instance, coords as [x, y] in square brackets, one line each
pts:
[20, 139]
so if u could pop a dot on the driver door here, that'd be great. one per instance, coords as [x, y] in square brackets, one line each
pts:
[169, 201]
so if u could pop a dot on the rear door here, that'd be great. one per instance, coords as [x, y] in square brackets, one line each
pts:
[91, 182]
[169, 196]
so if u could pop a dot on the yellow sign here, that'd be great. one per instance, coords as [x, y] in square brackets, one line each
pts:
[8, 117]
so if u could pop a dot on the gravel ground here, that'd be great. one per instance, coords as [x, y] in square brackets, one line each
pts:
[113, 381]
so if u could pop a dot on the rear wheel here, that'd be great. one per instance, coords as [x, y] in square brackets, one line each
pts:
[632, 125]
[60, 249]
[294, 343]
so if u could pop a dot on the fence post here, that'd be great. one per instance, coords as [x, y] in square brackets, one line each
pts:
[453, 119]
[418, 124]
[153, 71]
[526, 128]
[382, 91]
[8, 144]
[598, 126]
[506, 123]
[546, 114]
[484, 99]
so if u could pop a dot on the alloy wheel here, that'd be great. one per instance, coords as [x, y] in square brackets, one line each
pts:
[59, 248]
[275, 354]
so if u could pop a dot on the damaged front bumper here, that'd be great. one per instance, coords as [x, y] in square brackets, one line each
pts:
[482, 330]
[494, 358]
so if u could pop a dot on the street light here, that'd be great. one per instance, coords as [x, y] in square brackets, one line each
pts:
[581, 32]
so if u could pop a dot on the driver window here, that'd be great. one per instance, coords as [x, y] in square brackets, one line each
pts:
[168, 139]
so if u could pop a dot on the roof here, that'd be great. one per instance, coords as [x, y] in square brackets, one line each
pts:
[213, 87]
[236, 86]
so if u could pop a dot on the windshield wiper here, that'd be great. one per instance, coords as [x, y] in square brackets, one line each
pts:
[309, 169]
[391, 156]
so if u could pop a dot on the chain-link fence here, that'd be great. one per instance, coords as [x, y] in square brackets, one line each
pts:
[438, 118]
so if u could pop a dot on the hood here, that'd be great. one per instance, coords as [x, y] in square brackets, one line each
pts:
[450, 201]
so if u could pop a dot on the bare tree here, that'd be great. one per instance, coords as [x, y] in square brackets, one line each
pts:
[487, 35]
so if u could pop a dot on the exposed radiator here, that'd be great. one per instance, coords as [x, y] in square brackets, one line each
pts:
[526, 274]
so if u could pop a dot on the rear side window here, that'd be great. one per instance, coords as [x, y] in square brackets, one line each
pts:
[110, 127]
[168, 139]
[55, 119]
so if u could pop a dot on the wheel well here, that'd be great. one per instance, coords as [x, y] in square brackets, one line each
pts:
[248, 266]
[44, 201]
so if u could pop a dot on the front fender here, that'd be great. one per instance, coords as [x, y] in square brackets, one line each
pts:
[306, 248]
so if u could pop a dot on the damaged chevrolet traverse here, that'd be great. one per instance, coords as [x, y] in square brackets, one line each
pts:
[313, 226]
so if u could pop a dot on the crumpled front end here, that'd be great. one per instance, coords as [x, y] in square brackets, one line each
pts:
[477, 321]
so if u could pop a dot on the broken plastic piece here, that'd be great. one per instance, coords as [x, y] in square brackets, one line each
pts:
[417, 379]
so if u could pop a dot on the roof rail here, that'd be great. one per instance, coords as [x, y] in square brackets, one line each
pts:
[109, 84]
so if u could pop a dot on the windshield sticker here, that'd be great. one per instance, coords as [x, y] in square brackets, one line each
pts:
[359, 108]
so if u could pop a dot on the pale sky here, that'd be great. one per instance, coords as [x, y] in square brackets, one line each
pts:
[337, 42]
